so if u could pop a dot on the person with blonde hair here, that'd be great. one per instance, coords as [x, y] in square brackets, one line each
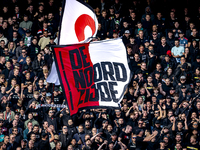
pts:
[140, 103]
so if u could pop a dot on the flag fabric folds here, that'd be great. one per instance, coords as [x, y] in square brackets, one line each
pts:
[93, 75]
[78, 23]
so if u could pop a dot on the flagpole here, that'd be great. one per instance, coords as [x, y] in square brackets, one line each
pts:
[53, 92]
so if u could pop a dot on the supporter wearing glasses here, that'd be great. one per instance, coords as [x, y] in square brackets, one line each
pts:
[80, 136]
[132, 144]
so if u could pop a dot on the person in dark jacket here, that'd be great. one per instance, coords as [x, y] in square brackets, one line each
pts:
[65, 138]
[162, 47]
[80, 136]
[167, 63]
[71, 128]
[104, 21]
[151, 61]
[33, 49]
[196, 64]
[37, 24]
[44, 142]
[52, 118]
[37, 65]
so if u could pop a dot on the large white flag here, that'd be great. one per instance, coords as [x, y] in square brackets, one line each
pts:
[78, 23]
[93, 75]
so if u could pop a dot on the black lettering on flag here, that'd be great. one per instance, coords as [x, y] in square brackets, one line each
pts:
[87, 95]
[75, 59]
[97, 72]
[117, 67]
[112, 91]
[109, 72]
[94, 95]
[85, 63]
[61, 60]
[104, 91]
[72, 105]
[79, 79]
[70, 94]
[80, 99]
[88, 72]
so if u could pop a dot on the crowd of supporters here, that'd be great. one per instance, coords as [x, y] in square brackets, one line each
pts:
[160, 109]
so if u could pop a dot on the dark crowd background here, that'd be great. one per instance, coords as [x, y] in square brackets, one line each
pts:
[161, 106]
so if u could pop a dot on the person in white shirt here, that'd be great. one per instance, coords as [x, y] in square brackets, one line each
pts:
[177, 51]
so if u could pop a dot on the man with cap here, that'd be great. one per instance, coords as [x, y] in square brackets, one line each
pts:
[157, 126]
[51, 43]
[58, 98]
[168, 63]
[113, 140]
[146, 45]
[53, 143]
[172, 91]
[126, 37]
[28, 38]
[183, 93]
[182, 82]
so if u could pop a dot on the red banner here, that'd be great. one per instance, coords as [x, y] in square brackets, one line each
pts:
[77, 76]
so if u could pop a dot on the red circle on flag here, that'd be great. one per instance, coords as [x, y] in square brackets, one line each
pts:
[80, 24]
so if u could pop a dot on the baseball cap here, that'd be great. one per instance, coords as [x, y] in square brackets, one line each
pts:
[28, 31]
[198, 57]
[168, 97]
[14, 57]
[181, 32]
[127, 32]
[56, 89]
[157, 122]
[161, 141]
[172, 88]
[157, 72]
[48, 94]
[182, 77]
[139, 72]
[51, 37]
[183, 87]
[114, 133]
[43, 90]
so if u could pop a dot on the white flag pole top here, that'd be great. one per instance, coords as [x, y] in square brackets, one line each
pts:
[78, 24]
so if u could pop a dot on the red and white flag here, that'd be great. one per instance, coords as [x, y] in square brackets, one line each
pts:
[78, 23]
[93, 75]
